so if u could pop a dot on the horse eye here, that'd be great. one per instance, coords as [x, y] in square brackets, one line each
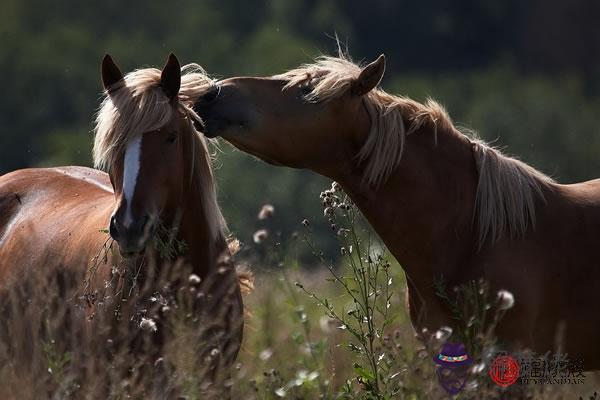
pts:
[172, 138]
[306, 88]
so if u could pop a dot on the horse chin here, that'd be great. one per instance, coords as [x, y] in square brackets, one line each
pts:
[217, 127]
[130, 254]
[239, 144]
[132, 251]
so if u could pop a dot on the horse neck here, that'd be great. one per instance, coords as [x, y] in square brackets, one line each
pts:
[424, 210]
[202, 246]
[199, 226]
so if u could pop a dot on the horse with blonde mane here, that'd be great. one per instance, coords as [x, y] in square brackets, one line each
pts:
[447, 205]
[159, 189]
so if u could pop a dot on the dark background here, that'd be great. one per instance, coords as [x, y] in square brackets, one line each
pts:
[523, 73]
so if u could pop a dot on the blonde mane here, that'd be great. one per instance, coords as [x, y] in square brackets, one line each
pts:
[506, 189]
[138, 104]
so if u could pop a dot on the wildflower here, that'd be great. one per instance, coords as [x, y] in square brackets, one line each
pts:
[331, 201]
[343, 251]
[478, 368]
[328, 211]
[326, 193]
[506, 300]
[260, 235]
[148, 324]
[305, 222]
[194, 279]
[265, 354]
[223, 270]
[266, 212]
[336, 186]
[327, 324]
[344, 206]
[422, 354]
[443, 333]
[300, 377]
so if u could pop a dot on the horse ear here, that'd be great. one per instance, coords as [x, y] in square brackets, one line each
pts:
[111, 74]
[369, 77]
[170, 78]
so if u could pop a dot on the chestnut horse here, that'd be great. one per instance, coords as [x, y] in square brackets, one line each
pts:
[446, 204]
[159, 175]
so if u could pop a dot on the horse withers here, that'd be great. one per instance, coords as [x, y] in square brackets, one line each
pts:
[157, 203]
[447, 205]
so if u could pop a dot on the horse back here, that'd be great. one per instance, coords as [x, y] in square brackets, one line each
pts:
[52, 217]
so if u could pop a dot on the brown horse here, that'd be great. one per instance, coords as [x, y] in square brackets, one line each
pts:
[446, 204]
[159, 179]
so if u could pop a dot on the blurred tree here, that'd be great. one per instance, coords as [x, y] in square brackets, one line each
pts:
[524, 73]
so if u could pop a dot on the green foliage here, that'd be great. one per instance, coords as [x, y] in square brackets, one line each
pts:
[56, 361]
[542, 121]
[51, 52]
[368, 285]
[166, 243]
[349, 336]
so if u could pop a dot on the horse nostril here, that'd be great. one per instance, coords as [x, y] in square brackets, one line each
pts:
[145, 221]
[112, 229]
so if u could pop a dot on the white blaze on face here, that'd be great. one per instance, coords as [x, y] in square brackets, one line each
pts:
[131, 170]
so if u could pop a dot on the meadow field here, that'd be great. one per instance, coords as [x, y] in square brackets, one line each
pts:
[338, 330]
[326, 316]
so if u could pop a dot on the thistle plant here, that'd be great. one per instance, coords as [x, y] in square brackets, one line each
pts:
[366, 279]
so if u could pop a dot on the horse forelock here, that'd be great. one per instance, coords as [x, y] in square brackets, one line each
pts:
[140, 105]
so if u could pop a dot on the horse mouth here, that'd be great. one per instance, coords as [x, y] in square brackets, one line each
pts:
[132, 253]
[213, 127]
[134, 247]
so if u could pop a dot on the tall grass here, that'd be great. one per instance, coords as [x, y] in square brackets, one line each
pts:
[338, 332]
[344, 332]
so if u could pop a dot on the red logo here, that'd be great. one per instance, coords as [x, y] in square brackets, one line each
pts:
[504, 371]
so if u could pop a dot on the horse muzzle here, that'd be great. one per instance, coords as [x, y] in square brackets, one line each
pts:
[133, 238]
